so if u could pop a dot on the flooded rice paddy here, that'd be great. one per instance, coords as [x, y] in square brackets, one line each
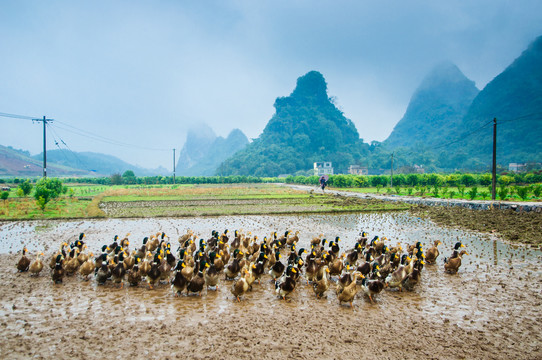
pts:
[490, 309]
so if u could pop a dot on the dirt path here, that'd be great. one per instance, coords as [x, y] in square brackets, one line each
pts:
[490, 310]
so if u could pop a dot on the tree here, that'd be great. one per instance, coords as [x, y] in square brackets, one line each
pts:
[4, 196]
[129, 177]
[46, 190]
[26, 187]
[116, 179]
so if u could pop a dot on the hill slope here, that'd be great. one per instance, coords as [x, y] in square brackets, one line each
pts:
[435, 110]
[96, 163]
[514, 97]
[306, 127]
[19, 163]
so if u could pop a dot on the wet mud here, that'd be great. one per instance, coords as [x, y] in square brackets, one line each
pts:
[489, 310]
[513, 226]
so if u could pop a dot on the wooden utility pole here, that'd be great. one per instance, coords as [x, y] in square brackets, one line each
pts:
[391, 178]
[44, 121]
[494, 170]
[173, 166]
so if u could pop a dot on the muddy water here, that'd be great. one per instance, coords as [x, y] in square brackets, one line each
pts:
[498, 287]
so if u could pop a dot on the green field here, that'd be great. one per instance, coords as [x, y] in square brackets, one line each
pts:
[187, 200]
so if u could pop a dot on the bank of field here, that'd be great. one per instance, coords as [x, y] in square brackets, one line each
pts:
[218, 200]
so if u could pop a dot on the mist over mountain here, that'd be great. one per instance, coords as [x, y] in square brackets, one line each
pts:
[203, 151]
[435, 110]
[514, 98]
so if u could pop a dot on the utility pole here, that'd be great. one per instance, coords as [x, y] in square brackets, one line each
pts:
[391, 178]
[494, 170]
[173, 166]
[44, 120]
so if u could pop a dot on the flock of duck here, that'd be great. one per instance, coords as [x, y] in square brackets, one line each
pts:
[244, 259]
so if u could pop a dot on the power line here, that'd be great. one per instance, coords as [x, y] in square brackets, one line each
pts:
[93, 136]
[77, 159]
[520, 118]
[15, 116]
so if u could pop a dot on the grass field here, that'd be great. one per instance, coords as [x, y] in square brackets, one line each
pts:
[187, 200]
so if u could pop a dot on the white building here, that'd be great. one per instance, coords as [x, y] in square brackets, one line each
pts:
[323, 168]
[358, 170]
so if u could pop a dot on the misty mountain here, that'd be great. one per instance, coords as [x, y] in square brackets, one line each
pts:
[96, 164]
[435, 110]
[203, 151]
[514, 98]
[306, 127]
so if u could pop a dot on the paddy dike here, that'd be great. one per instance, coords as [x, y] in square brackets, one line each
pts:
[489, 310]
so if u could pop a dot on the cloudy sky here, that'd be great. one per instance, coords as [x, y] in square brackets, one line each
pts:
[129, 78]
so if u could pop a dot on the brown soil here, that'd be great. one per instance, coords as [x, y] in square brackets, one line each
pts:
[489, 310]
[514, 226]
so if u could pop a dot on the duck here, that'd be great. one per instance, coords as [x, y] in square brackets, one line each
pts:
[118, 273]
[98, 260]
[232, 270]
[145, 266]
[142, 250]
[414, 248]
[61, 251]
[165, 269]
[362, 239]
[178, 282]
[372, 287]
[250, 276]
[58, 272]
[103, 272]
[453, 264]
[322, 285]
[353, 256]
[414, 277]
[278, 267]
[334, 246]
[240, 286]
[344, 280]
[80, 243]
[458, 245]
[87, 267]
[336, 267]
[396, 278]
[286, 285]
[433, 253]
[317, 240]
[82, 257]
[312, 267]
[36, 266]
[24, 261]
[349, 292]
[154, 272]
[197, 283]
[133, 275]
[366, 267]
[185, 237]
[211, 275]
[72, 264]
[219, 261]
[293, 239]
[259, 267]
